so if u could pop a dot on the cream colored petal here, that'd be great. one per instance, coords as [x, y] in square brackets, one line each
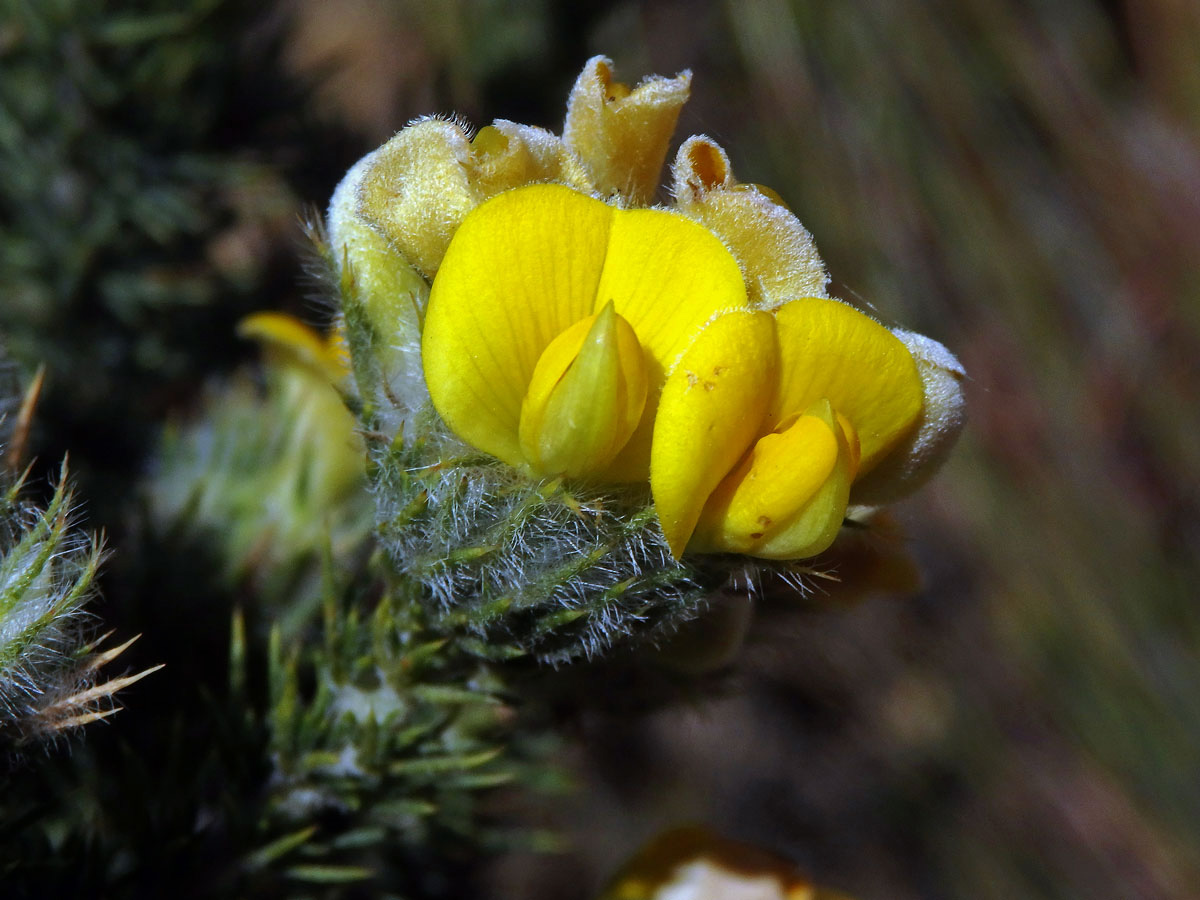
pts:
[418, 189]
[506, 155]
[622, 135]
[391, 291]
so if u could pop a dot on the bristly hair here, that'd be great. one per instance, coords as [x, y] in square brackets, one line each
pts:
[517, 567]
[48, 667]
[319, 270]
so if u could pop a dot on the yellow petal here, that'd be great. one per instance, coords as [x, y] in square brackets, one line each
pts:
[585, 397]
[787, 498]
[621, 134]
[830, 350]
[297, 343]
[778, 257]
[711, 408]
[668, 277]
[521, 270]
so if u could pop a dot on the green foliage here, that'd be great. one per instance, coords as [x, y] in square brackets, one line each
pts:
[263, 473]
[386, 737]
[358, 758]
[125, 209]
[47, 575]
[528, 567]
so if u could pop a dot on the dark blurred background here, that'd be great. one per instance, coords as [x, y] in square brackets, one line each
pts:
[1019, 180]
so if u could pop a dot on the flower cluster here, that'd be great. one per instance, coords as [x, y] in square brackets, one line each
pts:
[568, 328]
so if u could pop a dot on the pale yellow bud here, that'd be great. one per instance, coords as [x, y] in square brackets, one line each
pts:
[417, 189]
[943, 415]
[622, 135]
[585, 397]
[778, 258]
[701, 165]
[389, 289]
[507, 155]
[419, 186]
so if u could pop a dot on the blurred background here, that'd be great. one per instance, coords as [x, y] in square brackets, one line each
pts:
[1019, 179]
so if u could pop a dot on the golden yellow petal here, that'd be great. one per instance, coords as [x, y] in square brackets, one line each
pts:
[668, 277]
[830, 350]
[711, 409]
[622, 135]
[787, 497]
[522, 269]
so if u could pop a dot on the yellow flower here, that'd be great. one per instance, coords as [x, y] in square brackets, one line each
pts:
[569, 331]
[557, 322]
[768, 419]
[290, 341]
[554, 320]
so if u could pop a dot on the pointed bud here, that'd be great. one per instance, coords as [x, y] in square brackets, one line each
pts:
[621, 134]
[585, 398]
